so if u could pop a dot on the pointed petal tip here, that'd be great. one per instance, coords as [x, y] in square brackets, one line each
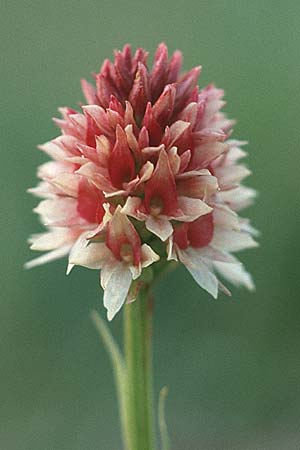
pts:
[110, 315]
[69, 268]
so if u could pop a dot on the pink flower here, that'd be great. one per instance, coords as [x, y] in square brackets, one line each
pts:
[146, 163]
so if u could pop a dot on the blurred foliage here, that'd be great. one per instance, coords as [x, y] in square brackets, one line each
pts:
[233, 365]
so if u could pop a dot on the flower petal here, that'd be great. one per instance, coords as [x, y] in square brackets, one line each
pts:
[160, 190]
[121, 166]
[191, 209]
[226, 218]
[197, 186]
[159, 226]
[68, 183]
[199, 271]
[97, 175]
[163, 107]
[206, 153]
[55, 238]
[89, 92]
[116, 289]
[231, 175]
[122, 238]
[60, 211]
[177, 129]
[232, 240]
[148, 256]
[92, 255]
[235, 273]
[131, 208]
[47, 257]
[90, 202]
[237, 198]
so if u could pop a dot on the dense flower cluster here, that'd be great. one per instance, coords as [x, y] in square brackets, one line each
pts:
[147, 164]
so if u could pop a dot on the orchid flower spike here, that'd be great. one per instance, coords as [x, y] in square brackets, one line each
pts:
[145, 171]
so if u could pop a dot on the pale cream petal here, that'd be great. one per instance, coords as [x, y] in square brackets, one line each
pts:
[231, 175]
[98, 114]
[232, 241]
[207, 152]
[106, 272]
[135, 271]
[199, 271]
[54, 150]
[171, 250]
[58, 212]
[234, 154]
[210, 254]
[202, 186]
[237, 198]
[114, 193]
[174, 160]
[148, 256]
[52, 169]
[47, 257]
[92, 255]
[193, 173]
[146, 172]
[248, 228]
[131, 139]
[235, 273]
[191, 209]
[226, 218]
[68, 183]
[161, 227]
[103, 148]
[207, 135]
[152, 151]
[44, 190]
[131, 208]
[116, 289]
[53, 239]
[97, 175]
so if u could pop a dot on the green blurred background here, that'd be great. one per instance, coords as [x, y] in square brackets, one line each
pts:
[233, 365]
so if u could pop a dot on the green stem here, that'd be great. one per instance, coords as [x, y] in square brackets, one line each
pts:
[138, 362]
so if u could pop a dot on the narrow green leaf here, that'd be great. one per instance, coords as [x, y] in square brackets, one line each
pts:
[109, 342]
[119, 368]
[164, 436]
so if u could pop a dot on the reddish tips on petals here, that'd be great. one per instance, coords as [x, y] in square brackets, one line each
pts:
[92, 131]
[153, 127]
[186, 86]
[115, 105]
[105, 89]
[123, 75]
[141, 55]
[159, 71]
[160, 190]
[90, 202]
[174, 66]
[140, 92]
[163, 107]
[143, 139]
[121, 165]
[200, 232]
